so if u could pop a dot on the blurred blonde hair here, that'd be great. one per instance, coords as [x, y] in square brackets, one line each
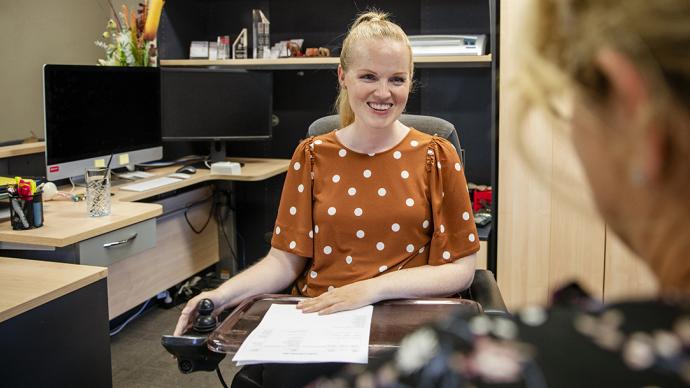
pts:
[565, 37]
[369, 25]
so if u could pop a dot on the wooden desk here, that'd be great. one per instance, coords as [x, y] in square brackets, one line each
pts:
[173, 255]
[66, 222]
[53, 324]
[254, 169]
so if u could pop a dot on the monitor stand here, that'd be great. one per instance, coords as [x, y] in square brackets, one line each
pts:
[217, 151]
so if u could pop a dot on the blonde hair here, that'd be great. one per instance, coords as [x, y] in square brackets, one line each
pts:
[567, 35]
[563, 39]
[369, 25]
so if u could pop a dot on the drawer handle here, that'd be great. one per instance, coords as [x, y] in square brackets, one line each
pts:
[121, 242]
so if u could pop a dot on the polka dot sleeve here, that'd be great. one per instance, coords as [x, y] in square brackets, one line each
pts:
[455, 234]
[293, 229]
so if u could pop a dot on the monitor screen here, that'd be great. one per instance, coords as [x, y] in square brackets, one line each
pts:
[216, 104]
[93, 112]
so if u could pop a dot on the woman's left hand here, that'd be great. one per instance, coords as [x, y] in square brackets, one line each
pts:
[347, 297]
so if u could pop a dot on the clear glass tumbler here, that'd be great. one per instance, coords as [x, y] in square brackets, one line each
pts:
[97, 192]
[223, 47]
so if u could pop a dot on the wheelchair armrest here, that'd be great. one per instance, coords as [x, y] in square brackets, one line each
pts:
[484, 290]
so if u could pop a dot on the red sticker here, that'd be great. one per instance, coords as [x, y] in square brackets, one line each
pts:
[54, 168]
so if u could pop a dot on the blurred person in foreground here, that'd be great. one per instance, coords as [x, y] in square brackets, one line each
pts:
[623, 69]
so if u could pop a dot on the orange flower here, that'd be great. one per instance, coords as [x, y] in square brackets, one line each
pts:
[152, 19]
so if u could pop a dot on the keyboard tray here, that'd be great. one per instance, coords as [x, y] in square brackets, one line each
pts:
[391, 321]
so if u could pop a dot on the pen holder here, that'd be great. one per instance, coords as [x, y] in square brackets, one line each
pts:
[97, 192]
[26, 211]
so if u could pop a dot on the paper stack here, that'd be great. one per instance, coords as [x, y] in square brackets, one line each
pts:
[434, 45]
[286, 335]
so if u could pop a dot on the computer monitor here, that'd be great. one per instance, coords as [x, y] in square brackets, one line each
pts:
[216, 105]
[93, 112]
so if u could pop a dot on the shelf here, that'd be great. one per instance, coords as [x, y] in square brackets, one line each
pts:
[303, 63]
[22, 149]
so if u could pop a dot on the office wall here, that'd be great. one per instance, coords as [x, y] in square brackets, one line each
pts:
[36, 32]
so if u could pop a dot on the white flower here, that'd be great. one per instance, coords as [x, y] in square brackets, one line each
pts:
[124, 39]
[497, 362]
[416, 350]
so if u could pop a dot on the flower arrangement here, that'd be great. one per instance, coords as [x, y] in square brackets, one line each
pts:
[130, 37]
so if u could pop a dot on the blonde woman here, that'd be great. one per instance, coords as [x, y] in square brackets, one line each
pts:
[375, 210]
[626, 66]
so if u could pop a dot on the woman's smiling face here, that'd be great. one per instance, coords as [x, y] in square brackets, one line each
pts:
[377, 81]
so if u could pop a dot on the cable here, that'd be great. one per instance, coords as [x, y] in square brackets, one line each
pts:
[221, 222]
[130, 319]
[220, 377]
[210, 214]
[72, 183]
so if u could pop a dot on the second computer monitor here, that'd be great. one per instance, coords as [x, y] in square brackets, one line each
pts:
[215, 104]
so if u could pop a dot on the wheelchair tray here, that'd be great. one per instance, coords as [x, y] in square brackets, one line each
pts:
[391, 321]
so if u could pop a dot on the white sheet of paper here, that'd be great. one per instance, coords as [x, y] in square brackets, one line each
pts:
[287, 335]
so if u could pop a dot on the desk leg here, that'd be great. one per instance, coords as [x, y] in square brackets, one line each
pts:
[227, 230]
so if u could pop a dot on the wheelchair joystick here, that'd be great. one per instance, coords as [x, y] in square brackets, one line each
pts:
[190, 349]
[204, 322]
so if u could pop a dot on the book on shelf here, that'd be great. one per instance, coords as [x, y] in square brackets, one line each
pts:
[435, 45]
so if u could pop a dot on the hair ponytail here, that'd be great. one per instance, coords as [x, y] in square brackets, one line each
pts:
[370, 16]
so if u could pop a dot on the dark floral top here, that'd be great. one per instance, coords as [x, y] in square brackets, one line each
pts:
[578, 342]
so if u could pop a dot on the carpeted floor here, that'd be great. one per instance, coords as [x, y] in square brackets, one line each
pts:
[139, 360]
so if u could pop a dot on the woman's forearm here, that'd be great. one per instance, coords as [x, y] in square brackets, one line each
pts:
[426, 281]
[275, 272]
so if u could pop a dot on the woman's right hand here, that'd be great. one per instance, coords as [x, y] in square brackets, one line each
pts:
[189, 312]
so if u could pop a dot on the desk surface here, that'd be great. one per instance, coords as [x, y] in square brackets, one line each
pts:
[25, 284]
[254, 169]
[66, 222]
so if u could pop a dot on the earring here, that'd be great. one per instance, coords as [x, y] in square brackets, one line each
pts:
[637, 177]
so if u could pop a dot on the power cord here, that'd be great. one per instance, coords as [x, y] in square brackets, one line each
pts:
[74, 186]
[130, 319]
[210, 214]
[221, 221]
[220, 377]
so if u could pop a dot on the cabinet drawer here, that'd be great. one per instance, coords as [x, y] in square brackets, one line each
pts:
[111, 247]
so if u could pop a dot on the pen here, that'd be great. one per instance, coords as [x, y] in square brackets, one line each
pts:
[20, 213]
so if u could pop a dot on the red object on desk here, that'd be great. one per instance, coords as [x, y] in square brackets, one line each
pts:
[481, 199]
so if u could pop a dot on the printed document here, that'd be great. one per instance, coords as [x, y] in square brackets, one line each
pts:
[287, 335]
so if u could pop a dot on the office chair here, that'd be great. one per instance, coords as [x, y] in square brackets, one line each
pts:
[427, 124]
[483, 290]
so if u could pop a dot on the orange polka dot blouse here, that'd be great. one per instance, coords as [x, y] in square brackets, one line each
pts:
[356, 216]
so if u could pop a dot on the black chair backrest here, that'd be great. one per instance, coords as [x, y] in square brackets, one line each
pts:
[427, 124]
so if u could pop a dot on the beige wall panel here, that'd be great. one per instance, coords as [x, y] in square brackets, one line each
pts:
[626, 274]
[524, 211]
[481, 255]
[36, 32]
[577, 232]
[548, 233]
